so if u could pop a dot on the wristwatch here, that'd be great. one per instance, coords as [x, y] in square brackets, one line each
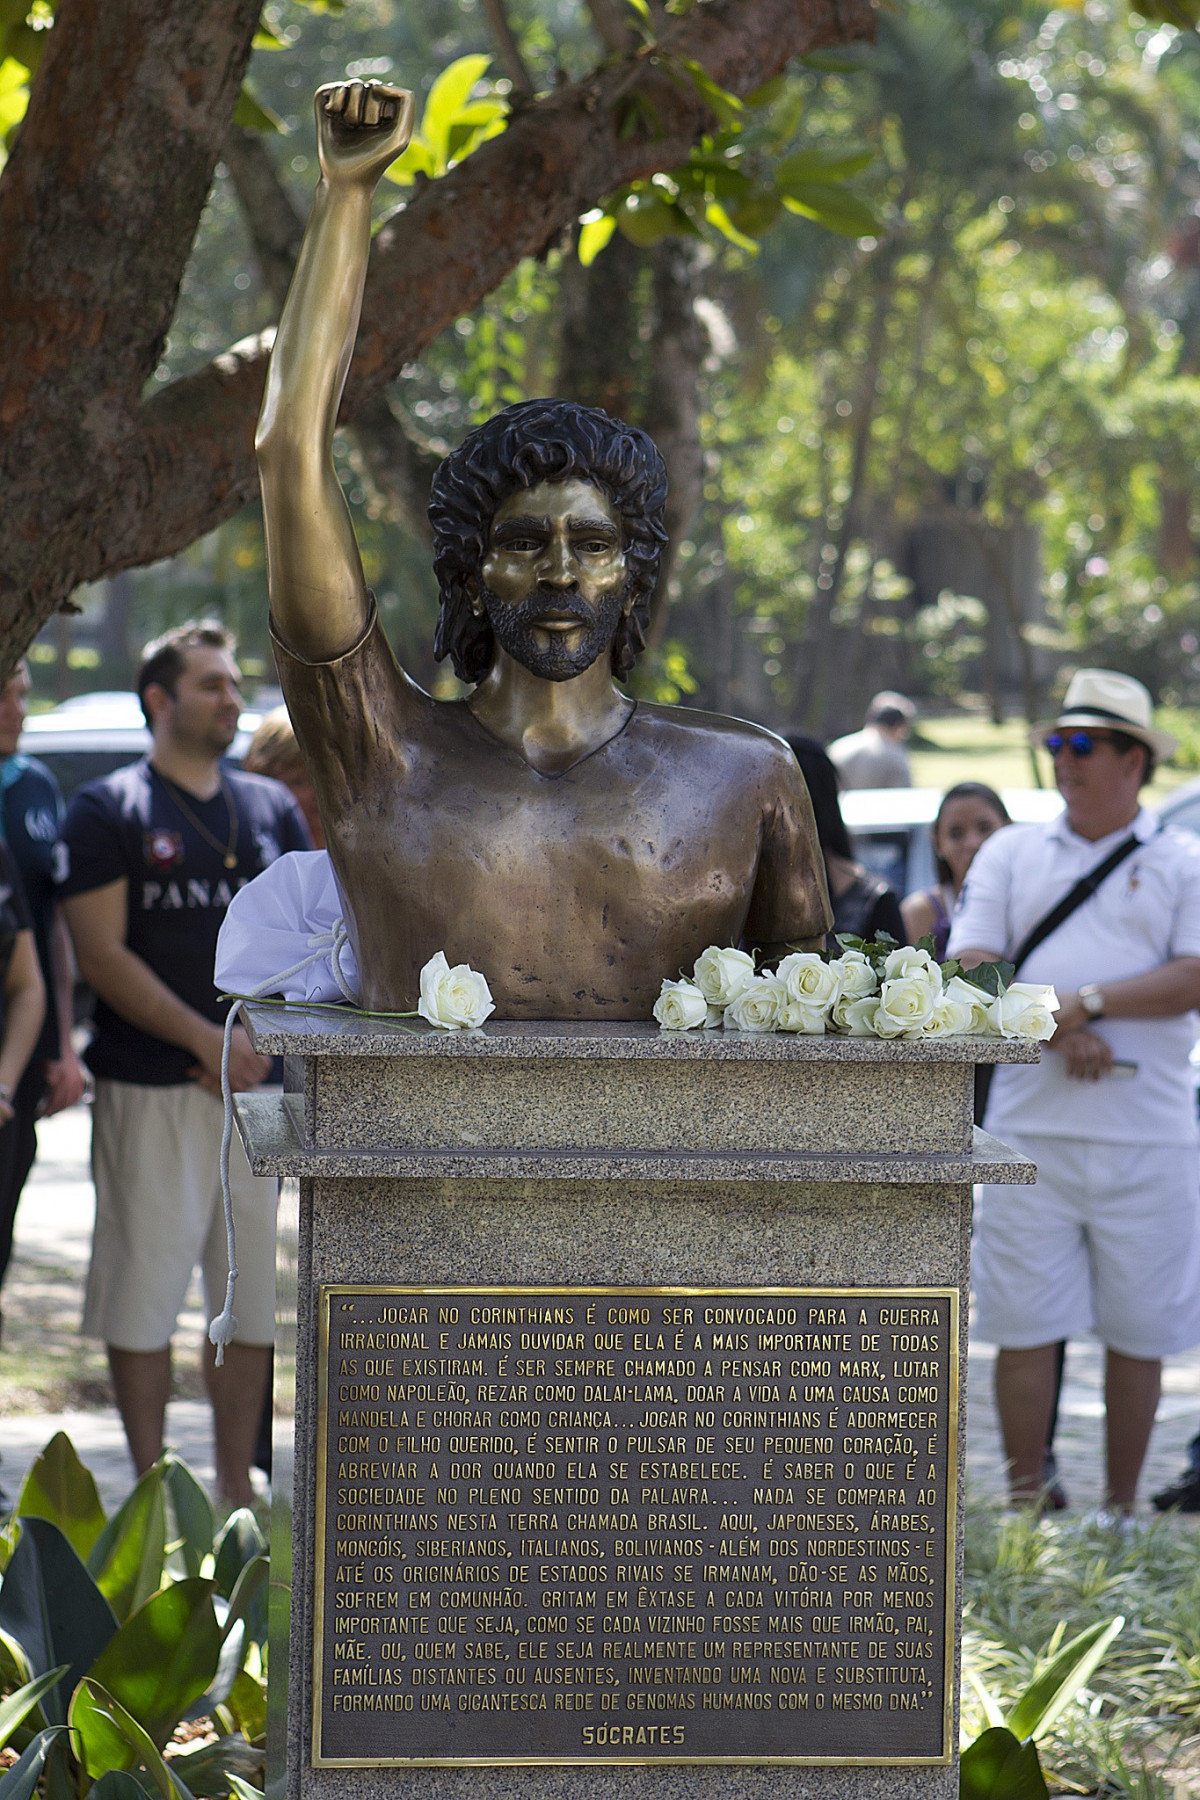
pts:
[1092, 1001]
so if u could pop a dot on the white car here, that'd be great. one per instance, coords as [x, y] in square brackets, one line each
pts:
[890, 827]
[92, 735]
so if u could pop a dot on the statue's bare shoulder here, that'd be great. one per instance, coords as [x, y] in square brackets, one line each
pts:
[751, 752]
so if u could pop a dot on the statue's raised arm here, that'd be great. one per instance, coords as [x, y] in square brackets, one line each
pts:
[318, 595]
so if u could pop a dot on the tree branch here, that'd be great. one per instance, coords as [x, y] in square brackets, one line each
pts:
[148, 479]
[275, 226]
[507, 48]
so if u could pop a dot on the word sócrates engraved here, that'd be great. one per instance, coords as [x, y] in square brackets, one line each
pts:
[635, 1525]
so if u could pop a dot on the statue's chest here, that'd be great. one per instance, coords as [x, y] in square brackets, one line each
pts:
[447, 835]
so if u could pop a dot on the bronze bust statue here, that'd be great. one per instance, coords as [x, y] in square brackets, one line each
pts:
[573, 844]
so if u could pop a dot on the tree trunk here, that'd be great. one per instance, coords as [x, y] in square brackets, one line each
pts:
[98, 206]
[672, 417]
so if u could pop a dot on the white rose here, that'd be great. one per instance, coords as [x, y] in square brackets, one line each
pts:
[857, 1016]
[756, 1008]
[795, 1016]
[1025, 1009]
[910, 961]
[680, 1006]
[906, 1006]
[953, 1016]
[966, 992]
[858, 975]
[722, 974]
[809, 980]
[453, 998]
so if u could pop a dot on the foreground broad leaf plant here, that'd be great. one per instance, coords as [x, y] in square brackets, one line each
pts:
[116, 1631]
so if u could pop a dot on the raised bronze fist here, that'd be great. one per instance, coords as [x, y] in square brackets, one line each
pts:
[362, 126]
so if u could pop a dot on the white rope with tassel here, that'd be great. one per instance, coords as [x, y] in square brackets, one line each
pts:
[329, 944]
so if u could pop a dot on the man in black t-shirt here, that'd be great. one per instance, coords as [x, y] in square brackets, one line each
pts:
[31, 814]
[156, 852]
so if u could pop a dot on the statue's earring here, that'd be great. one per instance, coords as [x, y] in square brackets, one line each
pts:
[475, 601]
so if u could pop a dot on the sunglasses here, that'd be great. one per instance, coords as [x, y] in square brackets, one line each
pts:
[1079, 743]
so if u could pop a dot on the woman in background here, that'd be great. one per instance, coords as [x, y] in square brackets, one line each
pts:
[862, 902]
[969, 813]
[273, 751]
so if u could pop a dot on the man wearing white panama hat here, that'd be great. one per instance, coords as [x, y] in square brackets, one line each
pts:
[1106, 906]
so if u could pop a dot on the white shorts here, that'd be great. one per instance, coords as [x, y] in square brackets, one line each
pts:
[156, 1165]
[1108, 1240]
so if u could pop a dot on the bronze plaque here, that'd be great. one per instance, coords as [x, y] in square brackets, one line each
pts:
[643, 1525]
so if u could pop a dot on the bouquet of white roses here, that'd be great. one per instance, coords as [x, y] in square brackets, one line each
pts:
[880, 989]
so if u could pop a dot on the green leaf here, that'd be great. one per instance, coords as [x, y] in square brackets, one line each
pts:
[248, 1600]
[52, 1607]
[207, 1770]
[127, 1558]
[15, 1666]
[119, 1784]
[247, 1704]
[831, 205]
[997, 1766]
[768, 92]
[647, 219]
[820, 165]
[1061, 1679]
[755, 215]
[253, 115]
[14, 1707]
[109, 1737]
[267, 39]
[716, 215]
[241, 1790]
[447, 98]
[831, 63]
[238, 1543]
[58, 1487]
[20, 1782]
[193, 1512]
[725, 107]
[417, 159]
[164, 1657]
[14, 93]
[594, 234]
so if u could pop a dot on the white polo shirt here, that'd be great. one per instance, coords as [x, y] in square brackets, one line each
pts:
[1146, 912]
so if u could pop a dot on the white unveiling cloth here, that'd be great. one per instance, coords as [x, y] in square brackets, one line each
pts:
[291, 911]
[1146, 912]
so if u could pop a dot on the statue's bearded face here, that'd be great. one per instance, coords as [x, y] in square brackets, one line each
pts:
[554, 584]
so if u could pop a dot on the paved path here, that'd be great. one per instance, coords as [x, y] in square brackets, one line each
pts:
[45, 1284]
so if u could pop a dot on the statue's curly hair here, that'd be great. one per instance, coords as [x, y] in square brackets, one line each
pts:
[534, 441]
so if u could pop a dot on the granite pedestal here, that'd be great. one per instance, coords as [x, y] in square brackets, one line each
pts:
[664, 1335]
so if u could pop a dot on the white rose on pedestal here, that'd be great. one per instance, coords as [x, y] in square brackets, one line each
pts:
[1025, 1009]
[455, 999]
[681, 1006]
[906, 1004]
[857, 1017]
[966, 993]
[810, 1021]
[858, 975]
[910, 961]
[722, 974]
[756, 1008]
[954, 1015]
[810, 981]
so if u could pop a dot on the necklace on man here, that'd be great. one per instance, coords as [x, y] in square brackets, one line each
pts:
[227, 850]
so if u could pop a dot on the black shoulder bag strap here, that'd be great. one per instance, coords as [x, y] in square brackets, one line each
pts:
[1083, 890]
